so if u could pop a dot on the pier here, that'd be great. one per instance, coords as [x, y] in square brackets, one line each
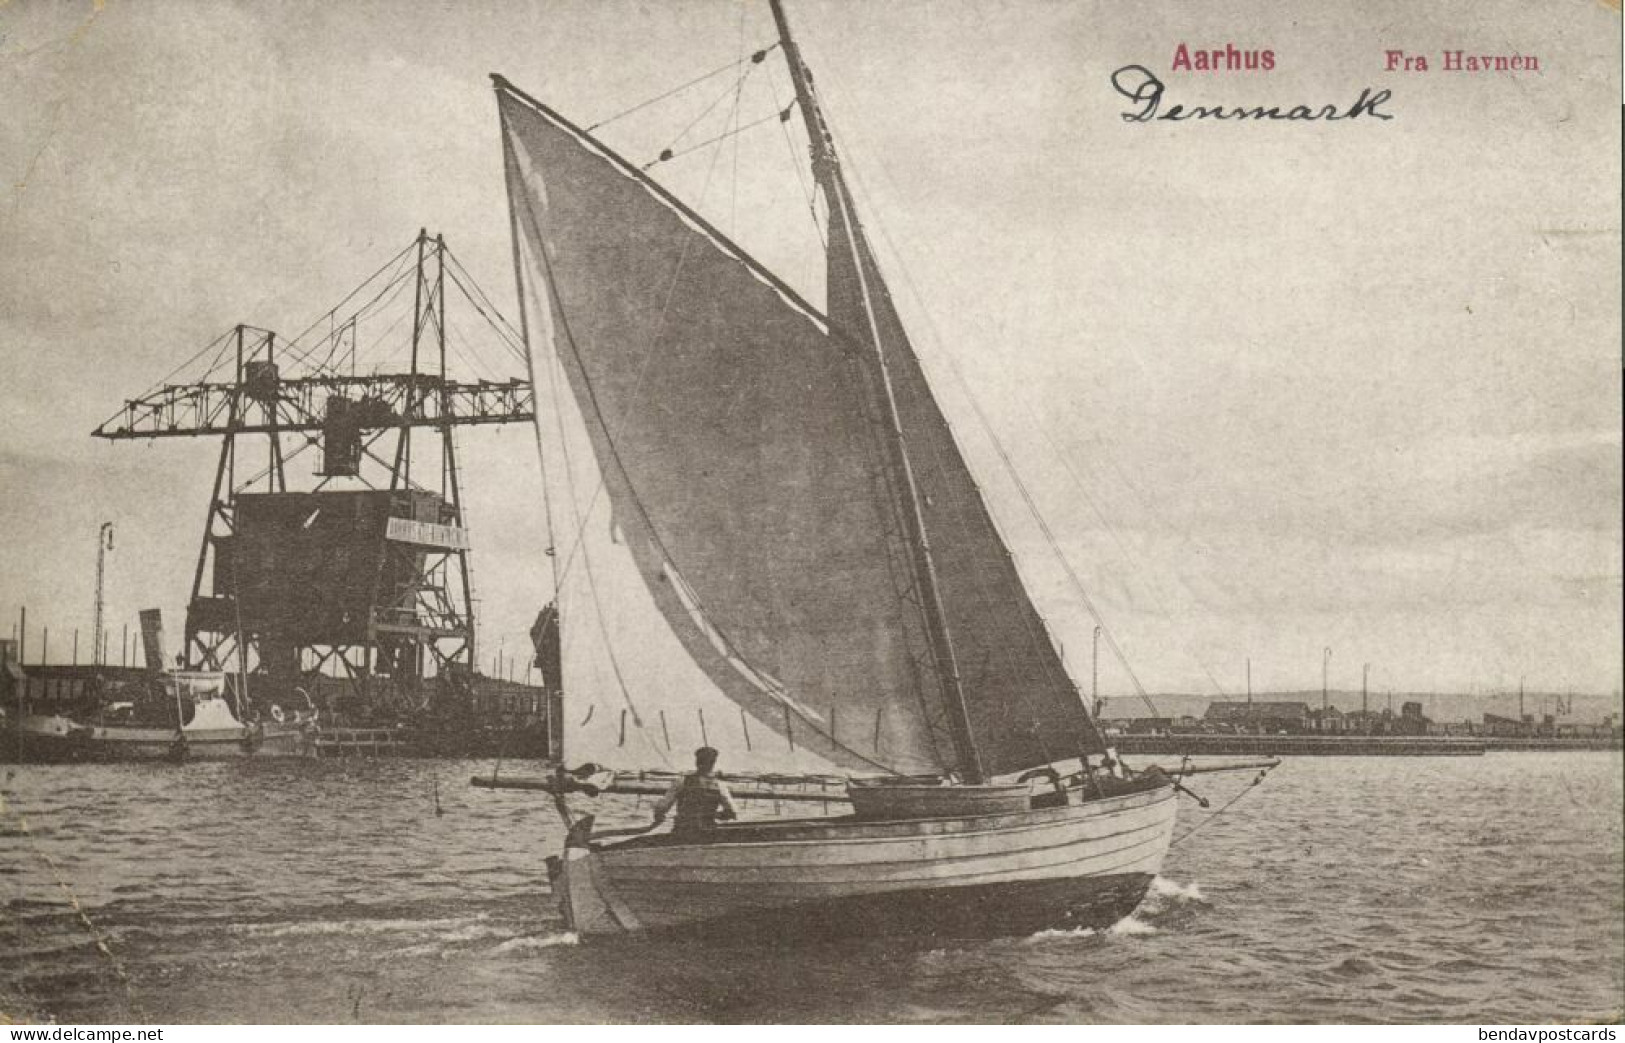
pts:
[366, 742]
[1303, 745]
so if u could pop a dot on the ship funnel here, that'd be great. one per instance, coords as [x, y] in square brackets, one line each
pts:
[152, 638]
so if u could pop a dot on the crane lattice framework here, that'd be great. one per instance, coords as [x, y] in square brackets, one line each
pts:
[360, 569]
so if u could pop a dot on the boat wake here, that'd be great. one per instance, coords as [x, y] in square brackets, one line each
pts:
[1129, 926]
[1163, 898]
[1166, 894]
[530, 943]
[455, 944]
[456, 925]
[1062, 932]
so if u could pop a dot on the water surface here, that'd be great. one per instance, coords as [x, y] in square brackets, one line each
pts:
[1341, 890]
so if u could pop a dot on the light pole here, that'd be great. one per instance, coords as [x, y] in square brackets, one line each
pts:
[104, 543]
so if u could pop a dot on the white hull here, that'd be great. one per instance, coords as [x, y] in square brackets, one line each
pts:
[59, 738]
[1034, 869]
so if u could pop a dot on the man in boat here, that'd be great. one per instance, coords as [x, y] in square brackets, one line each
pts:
[702, 799]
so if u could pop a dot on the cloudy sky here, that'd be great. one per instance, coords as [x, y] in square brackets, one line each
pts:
[1275, 387]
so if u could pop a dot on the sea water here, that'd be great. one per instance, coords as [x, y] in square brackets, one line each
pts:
[1476, 890]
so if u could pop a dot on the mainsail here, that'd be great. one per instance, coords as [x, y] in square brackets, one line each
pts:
[738, 448]
[786, 484]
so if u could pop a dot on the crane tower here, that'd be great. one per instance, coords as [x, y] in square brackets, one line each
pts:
[348, 581]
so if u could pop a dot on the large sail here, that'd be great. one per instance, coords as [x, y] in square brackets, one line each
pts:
[737, 444]
[1009, 699]
[1022, 706]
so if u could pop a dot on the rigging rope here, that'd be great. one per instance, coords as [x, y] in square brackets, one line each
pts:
[383, 299]
[733, 186]
[511, 339]
[754, 59]
[963, 512]
[368, 281]
[809, 193]
[581, 517]
[1021, 486]
[1226, 807]
[667, 152]
[783, 116]
[1159, 596]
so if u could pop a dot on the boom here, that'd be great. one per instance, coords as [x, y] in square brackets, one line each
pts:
[300, 404]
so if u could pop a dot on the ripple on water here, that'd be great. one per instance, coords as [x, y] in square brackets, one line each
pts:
[278, 891]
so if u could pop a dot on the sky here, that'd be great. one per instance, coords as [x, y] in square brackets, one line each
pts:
[1275, 388]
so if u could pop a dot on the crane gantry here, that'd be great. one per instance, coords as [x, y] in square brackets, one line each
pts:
[357, 571]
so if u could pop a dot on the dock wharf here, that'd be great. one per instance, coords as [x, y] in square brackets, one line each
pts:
[367, 742]
[1548, 745]
[1199, 745]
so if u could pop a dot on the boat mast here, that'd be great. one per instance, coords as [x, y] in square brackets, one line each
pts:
[826, 171]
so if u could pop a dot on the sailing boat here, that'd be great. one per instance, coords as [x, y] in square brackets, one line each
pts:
[787, 488]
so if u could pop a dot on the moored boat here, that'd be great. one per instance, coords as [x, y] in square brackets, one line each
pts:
[191, 720]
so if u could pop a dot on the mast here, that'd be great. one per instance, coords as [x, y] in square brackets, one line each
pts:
[826, 171]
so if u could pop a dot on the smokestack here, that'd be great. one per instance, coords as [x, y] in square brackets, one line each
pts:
[152, 639]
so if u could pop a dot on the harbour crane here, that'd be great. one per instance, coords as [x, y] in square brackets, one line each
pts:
[358, 570]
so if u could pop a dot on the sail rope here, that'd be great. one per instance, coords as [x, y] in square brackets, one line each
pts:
[586, 563]
[586, 560]
[807, 192]
[1026, 496]
[733, 181]
[579, 542]
[1159, 596]
[529, 362]
[667, 154]
[1050, 538]
[755, 59]
[612, 434]
[1222, 809]
[1234, 604]
[1158, 593]
[1037, 639]
[964, 515]
[569, 479]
